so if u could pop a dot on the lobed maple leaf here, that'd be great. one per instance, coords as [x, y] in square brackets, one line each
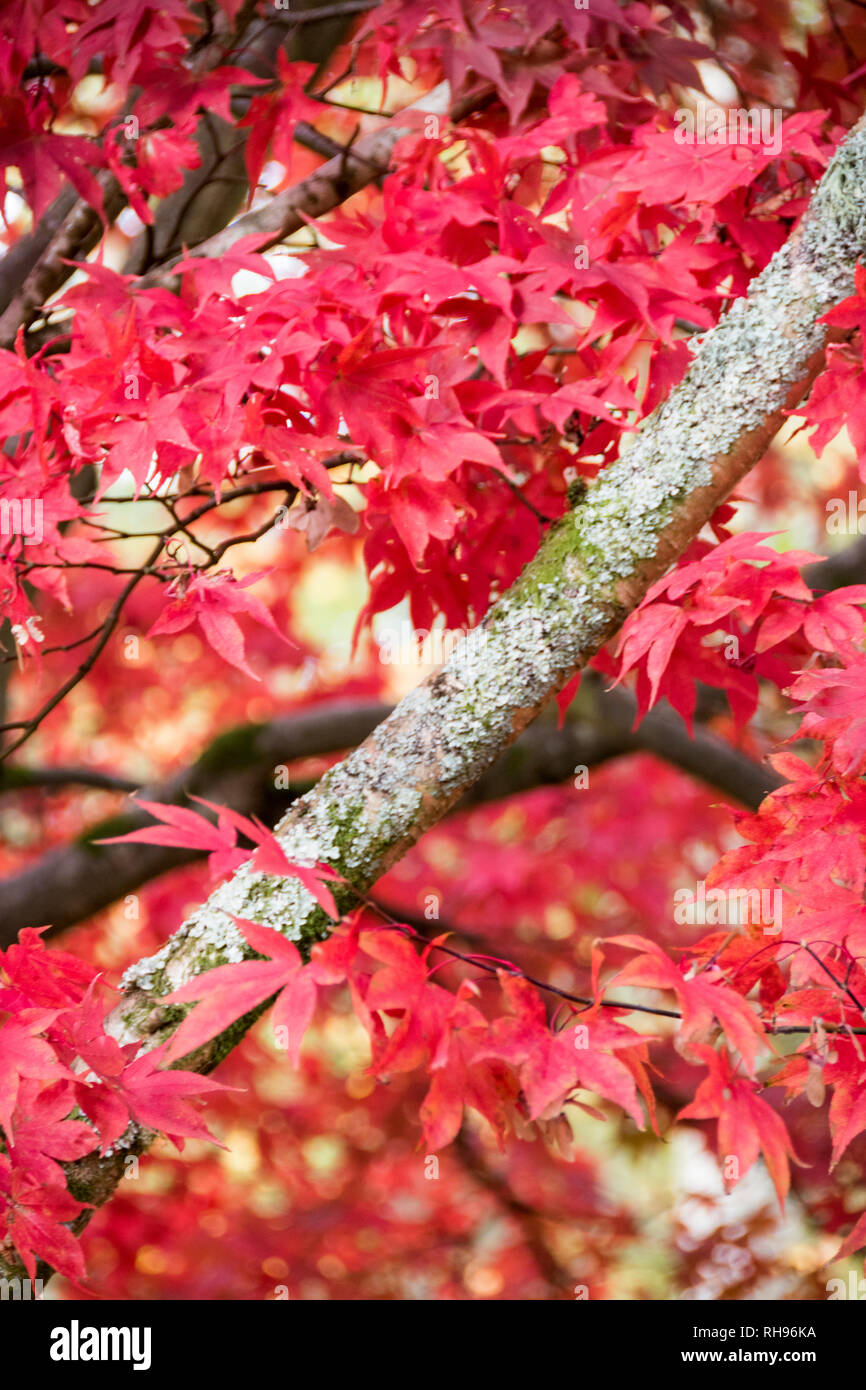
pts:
[551, 1065]
[272, 118]
[747, 1125]
[704, 1002]
[160, 1098]
[34, 1217]
[187, 829]
[25, 1054]
[833, 709]
[212, 601]
[227, 992]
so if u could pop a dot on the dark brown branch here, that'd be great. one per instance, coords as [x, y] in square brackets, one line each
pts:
[847, 566]
[340, 10]
[179, 526]
[70, 884]
[586, 1001]
[16, 779]
[324, 190]
[38, 265]
[29, 726]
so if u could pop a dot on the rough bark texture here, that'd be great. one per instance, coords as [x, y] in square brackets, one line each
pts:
[592, 569]
[71, 883]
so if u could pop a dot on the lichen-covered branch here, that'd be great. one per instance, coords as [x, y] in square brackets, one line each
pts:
[592, 569]
[72, 882]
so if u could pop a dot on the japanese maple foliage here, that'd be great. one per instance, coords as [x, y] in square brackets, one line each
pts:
[223, 471]
[57, 1062]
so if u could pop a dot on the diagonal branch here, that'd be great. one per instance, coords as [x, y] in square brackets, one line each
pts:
[328, 187]
[366, 160]
[38, 265]
[71, 883]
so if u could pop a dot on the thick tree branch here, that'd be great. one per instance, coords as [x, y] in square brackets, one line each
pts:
[20, 259]
[71, 883]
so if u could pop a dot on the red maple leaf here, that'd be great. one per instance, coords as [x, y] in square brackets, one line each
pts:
[211, 601]
[747, 1124]
[227, 992]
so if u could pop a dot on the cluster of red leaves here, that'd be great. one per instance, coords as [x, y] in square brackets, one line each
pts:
[322, 1192]
[730, 615]
[403, 339]
[58, 1063]
[146, 136]
[514, 1067]
[836, 398]
[806, 845]
[323, 1187]
[188, 830]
